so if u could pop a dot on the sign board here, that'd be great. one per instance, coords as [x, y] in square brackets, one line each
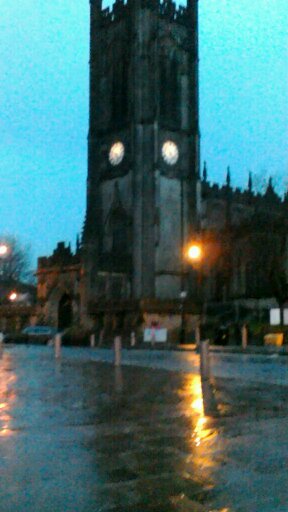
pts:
[155, 335]
[275, 316]
[275, 339]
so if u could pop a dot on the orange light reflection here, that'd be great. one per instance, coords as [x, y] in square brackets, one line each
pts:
[200, 432]
[7, 394]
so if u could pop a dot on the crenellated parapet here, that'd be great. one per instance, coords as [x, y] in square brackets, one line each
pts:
[223, 206]
[170, 11]
[62, 257]
[212, 191]
[167, 9]
[116, 12]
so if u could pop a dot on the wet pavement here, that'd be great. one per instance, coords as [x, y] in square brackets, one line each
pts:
[80, 435]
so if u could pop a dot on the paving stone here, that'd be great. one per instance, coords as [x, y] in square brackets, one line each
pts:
[76, 435]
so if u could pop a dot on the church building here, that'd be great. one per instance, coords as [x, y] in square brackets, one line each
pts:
[146, 198]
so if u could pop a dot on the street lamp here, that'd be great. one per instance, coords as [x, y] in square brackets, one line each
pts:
[13, 296]
[192, 254]
[3, 250]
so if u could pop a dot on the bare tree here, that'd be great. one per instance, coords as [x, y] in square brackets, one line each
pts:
[15, 262]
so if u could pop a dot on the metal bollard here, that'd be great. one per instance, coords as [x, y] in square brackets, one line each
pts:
[117, 351]
[244, 335]
[92, 340]
[204, 360]
[57, 344]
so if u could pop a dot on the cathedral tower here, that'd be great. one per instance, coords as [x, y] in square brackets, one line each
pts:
[143, 144]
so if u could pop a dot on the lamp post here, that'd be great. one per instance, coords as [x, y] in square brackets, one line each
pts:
[191, 254]
[183, 295]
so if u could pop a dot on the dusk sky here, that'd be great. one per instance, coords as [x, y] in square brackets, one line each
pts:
[44, 107]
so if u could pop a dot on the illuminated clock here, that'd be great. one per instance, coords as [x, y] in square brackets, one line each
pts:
[170, 152]
[116, 153]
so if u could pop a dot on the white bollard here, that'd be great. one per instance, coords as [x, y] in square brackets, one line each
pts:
[57, 343]
[133, 339]
[92, 340]
[204, 360]
[118, 379]
[244, 335]
[101, 337]
[117, 351]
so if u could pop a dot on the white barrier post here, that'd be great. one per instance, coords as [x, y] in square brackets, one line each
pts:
[197, 336]
[101, 337]
[118, 379]
[92, 340]
[117, 351]
[57, 342]
[133, 339]
[204, 360]
[244, 335]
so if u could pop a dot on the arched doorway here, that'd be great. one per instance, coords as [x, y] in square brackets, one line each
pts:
[65, 312]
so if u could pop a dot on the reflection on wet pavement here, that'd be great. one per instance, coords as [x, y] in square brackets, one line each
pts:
[77, 435]
[86, 436]
[7, 397]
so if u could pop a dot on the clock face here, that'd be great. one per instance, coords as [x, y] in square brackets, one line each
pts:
[116, 153]
[170, 152]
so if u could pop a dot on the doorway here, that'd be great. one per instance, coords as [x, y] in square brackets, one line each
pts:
[65, 312]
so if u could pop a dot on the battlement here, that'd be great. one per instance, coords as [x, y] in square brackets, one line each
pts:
[212, 191]
[116, 12]
[62, 256]
[265, 200]
[167, 9]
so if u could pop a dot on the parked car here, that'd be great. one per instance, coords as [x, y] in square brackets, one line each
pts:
[39, 334]
[39, 330]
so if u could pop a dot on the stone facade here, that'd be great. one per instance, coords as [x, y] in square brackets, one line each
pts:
[58, 287]
[145, 196]
[247, 236]
[143, 93]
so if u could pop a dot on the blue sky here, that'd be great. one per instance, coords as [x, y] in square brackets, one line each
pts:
[44, 106]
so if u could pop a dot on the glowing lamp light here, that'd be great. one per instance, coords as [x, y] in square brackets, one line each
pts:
[3, 249]
[194, 252]
[13, 296]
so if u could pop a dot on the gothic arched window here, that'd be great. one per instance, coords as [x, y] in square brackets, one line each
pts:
[119, 234]
[170, 90]
[120, 83]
